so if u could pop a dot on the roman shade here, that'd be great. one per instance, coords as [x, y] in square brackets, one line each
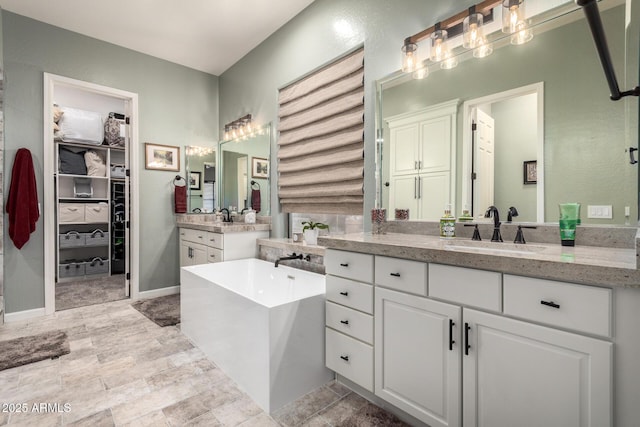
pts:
[321, 140]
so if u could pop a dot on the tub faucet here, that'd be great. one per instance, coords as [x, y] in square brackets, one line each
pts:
[285, 258]
[493, 211]
[226, 218]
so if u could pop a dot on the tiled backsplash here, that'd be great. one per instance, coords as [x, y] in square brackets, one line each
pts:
[272, 249]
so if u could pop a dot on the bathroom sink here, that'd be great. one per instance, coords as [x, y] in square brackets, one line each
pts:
[493, 247]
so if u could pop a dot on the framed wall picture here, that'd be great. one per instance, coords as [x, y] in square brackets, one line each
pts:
[195, 180]
[531, 172]
[161, 157]
[259, 167]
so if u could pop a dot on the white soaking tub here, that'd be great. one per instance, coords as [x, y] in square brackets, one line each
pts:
[263, 326]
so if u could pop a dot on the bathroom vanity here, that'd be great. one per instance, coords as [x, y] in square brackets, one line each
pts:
[203, 241]
[464, 333]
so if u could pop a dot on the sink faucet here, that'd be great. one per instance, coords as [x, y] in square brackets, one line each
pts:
[511, 213]
[493, 211]
[226, 218]
[285, 258]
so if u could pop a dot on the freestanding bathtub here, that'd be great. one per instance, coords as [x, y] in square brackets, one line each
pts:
[263, 326]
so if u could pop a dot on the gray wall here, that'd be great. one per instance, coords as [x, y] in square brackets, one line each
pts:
[177, 106]
[311, 40]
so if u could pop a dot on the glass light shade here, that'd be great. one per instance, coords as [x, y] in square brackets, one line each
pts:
[512, 13]
[421, 72]
[439, 46]
[472, 31]
[449, 61]
[409, 57]
[522, 35]
[483, 49]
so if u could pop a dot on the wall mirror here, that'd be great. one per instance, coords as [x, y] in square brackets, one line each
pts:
[555, 135]
[201, 178]
[245, 170]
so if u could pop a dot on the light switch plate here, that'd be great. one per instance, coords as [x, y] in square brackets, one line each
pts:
[600, 211]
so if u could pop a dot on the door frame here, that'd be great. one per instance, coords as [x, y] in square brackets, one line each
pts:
[50, 81]
[467, 153]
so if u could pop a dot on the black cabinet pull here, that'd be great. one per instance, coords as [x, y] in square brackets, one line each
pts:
[345, 358]
[550, 304]
[451, 340]
[344, 293]
[467, 328]
[346, 264]
[344, 322]
[395, 274]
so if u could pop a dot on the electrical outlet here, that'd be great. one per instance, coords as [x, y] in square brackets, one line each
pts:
[600, 211]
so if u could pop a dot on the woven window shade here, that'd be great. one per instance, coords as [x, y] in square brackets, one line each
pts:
[321, 141]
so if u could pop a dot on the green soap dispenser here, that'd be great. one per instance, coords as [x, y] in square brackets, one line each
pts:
[447, 224]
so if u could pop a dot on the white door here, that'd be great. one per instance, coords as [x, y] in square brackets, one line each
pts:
[484, 159]
[520, 374]
[417, 356]
[403, 194]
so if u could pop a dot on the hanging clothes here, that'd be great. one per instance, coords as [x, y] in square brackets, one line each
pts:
[22, 203]
[180, 194]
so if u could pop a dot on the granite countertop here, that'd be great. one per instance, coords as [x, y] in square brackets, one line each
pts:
[224, 227]
[289, 244]
[589, 265]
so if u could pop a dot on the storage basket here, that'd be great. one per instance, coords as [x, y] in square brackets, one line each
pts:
[117, 171]
[97, 238]
[96, 212]
[71, 269]
[97, 266]
[71, 239]
[82, 188]
[71, 212]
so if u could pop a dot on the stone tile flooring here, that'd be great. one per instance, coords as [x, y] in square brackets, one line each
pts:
[124, 370]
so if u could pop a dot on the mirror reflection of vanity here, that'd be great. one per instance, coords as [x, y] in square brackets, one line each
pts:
[201, 178]
[555, 135]
[245, 169]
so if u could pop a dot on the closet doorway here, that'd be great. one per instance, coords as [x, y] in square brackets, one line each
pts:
[90, 201]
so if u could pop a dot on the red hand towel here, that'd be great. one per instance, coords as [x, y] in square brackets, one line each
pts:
[180, 196]
[255, 200]
[22, 203]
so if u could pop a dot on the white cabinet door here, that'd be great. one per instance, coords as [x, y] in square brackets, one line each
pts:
[521, 374]
[192, 254]
[403, 194]
[417, 356]
[435, 145]
[434, 195]
[404, 149]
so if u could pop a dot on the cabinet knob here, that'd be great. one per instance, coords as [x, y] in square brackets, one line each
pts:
[344, 322]
[344, 293]
[345, 358]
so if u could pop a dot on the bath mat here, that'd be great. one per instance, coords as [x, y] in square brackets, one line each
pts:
[34, 348]
[164, 311]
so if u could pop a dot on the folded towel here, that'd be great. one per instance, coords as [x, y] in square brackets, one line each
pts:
[255, 200]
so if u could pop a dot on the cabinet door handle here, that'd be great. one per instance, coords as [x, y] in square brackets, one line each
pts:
[344, 322]
[346, 264]
[345, 358]
[467, 328]
[394, 274]
[451, 340]
[419, 188]
[415, 164]
[199, 237]
[345, 293]
[415, 188]
[550, 304]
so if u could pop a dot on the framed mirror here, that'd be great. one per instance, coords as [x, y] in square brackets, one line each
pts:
[245, 170]
[548, 108]
[201, 178]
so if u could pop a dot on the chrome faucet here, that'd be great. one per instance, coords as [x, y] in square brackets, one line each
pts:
[493, 211]
[285, 258]
[226, 218]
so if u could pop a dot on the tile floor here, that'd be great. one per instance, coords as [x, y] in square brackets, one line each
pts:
[80, 293]
[124, 370]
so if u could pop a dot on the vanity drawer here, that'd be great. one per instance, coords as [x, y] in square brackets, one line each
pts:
[191, 235]
[350, 322]
[350, 293]
[215, 240]
[567, 305]
[349, 264]
[402, 275]
[350, 358]
[467, 286]
[214, 255]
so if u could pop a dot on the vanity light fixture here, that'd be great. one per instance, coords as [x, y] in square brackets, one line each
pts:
[409, 56]
[200, 151]
[514, 23]
[473, 34]
[239, 128]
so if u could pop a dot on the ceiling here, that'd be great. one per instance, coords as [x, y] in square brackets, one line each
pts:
[207, 35]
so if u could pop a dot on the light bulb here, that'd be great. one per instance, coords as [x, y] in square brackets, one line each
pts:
[421, 72]
[513, 12]
[409, 57]
[449, 61]
[483, 49]
[472, 32]
[522, 34]
[439, 46]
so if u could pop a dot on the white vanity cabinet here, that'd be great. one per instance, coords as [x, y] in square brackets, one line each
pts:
[201, 247]
[417, 356]
[194, 247]
[521, 374]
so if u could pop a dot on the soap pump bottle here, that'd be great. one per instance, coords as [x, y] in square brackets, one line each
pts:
[447, 224]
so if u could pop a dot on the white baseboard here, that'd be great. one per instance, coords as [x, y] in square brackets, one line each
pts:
[23, 315]
[155, 293]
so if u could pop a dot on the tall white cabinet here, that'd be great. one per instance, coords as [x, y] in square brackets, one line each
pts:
[88, 215]
[422, 160]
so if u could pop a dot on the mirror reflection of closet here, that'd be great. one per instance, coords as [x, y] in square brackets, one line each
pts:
[201, 179]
